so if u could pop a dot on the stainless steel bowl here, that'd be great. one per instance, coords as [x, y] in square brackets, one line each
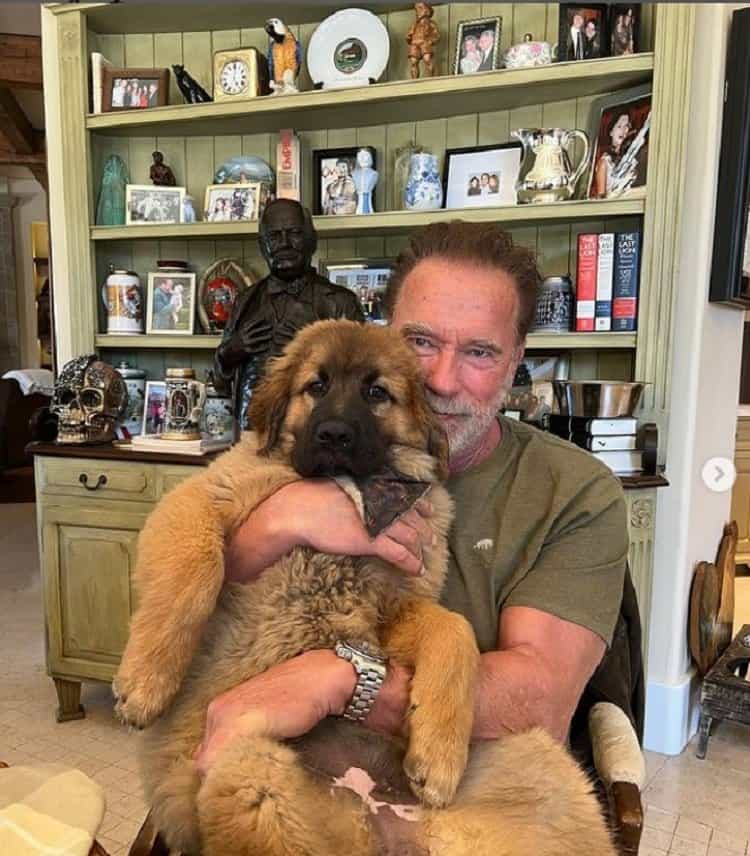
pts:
[605, 399]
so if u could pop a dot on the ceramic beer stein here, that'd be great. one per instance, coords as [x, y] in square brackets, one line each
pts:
[185, 399]
[554, 305]
[123, 299]
[218, 416]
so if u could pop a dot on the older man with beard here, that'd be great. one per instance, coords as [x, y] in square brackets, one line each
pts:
[539, 545]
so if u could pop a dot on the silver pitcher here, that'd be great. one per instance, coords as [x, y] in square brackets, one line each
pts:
[547, 174]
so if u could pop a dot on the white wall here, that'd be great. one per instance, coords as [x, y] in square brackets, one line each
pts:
[703, 408]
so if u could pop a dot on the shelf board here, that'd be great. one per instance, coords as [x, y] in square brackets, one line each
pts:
[390, 222]
[157, 340]
[382, 103]
[535, 341]
[578, 341]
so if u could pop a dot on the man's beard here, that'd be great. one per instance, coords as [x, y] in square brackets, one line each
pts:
[465, 434]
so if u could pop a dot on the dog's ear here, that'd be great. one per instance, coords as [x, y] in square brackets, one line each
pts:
[269, 404]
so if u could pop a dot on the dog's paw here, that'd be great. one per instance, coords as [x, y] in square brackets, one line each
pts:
[139, 701]
[434, 775]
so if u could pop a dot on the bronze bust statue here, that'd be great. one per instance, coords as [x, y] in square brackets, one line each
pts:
[160, 174]
[267, 316]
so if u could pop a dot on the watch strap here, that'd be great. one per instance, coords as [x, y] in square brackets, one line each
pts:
[370, 676]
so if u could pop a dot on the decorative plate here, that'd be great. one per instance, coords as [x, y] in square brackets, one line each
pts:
[349, 48]
[244, 168]
[219, 287]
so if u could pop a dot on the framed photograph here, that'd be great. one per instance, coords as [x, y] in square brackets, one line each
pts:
[232, 202]
[624, 28]
[477, 45]
[367, 278]
[481, 176]
[730, 265]
[134, 88]
[155, 408]
[147, 203]
[171, 303]
[583, 32]
[619, 134]
[344, 180]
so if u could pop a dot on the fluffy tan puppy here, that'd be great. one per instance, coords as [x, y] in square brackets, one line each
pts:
[343, 400]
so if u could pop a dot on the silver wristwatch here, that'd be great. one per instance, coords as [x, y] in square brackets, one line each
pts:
[370, 669]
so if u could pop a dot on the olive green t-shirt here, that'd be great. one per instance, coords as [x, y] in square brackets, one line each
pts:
[540, 523]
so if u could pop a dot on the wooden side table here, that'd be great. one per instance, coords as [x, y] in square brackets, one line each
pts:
[725, 693]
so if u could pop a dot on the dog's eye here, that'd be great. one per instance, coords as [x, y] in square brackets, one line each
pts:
[377, 393]
[317, 388]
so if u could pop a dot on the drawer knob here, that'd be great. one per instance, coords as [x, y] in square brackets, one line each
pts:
[84, 480]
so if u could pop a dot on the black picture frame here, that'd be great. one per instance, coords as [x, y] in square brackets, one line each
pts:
[587, 10]
[616, 48]
[348, 153]
[728, 283]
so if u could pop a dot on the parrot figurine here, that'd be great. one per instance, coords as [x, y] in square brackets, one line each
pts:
[284, 57]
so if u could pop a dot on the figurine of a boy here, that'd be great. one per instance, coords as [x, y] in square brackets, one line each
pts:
[422, 37]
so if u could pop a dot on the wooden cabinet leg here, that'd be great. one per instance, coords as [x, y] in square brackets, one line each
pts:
[69, 698]
[704, 732]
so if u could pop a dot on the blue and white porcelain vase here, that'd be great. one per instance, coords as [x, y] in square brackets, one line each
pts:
[424, 189]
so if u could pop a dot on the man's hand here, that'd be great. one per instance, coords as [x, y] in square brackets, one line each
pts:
[283, 702]
[318, 514]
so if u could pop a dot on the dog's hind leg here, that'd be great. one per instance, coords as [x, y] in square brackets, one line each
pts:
[257, 800]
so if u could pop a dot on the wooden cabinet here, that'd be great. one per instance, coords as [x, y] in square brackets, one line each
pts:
[88, 542]
[741, 489]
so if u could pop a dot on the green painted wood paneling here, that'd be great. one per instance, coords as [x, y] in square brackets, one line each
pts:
[196, 51]
[139, 50]
[167, 51]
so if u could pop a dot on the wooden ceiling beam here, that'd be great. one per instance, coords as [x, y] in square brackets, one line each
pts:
[13, 158]
[14, 125]
[20, 61]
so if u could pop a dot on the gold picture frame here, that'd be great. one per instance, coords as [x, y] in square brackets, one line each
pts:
[257, 76]
[234, 202]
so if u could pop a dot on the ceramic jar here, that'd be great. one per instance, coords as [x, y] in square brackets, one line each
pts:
[554, 305]
[185, 397]
[135, 381]
[528, 53]
[424, 189]
[122, 296]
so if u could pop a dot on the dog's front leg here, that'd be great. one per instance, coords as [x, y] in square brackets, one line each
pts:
[441, 647]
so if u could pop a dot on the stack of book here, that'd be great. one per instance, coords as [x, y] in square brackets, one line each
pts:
[156, 443]
[613, 441]
[607, 282]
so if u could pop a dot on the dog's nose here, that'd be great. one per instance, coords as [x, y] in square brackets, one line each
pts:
[334, 434]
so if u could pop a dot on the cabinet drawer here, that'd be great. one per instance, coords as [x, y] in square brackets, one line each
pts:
[98, 479]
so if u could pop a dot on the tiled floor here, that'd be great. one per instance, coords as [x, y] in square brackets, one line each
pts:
[694, 808]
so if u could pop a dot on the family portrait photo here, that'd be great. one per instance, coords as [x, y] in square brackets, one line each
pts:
[583, 32]
[345, 180]
[154, 413]
[134, 88]
[232, 202]
[620, 128]
[482, 176]
[145, 203]
[368, 280]
[171, 300]
[477, 45]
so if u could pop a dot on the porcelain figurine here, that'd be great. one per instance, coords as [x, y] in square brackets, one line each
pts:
[422, 37]
[110, 209]
[188, 210]
[191, 90]
[365, 178]
[284, 57]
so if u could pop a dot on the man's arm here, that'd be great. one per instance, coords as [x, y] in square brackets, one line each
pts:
[535, 678]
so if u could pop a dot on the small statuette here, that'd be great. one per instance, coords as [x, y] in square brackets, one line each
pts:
[284, 57]
[422, 37]
[161, 175]
[188, 210]
[191, 90]
[110, 210]
[365, 178]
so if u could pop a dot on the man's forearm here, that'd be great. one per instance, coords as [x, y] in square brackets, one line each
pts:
[513, 694]
[256, 545]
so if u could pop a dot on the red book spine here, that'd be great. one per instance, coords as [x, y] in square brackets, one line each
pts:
[588, 259]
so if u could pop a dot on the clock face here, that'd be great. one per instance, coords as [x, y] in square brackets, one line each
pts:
[234, 77]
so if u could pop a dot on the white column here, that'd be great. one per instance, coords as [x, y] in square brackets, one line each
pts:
[703, 405]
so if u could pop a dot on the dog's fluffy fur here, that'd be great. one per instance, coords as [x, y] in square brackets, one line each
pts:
[191, 640]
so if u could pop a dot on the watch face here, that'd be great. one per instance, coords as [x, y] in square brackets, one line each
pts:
[234, 77]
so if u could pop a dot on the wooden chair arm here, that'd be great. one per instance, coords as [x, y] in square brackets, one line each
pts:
[148, 842]
[627, 816]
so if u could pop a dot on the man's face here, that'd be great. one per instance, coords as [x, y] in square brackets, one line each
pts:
[485, 179]
[578, 21]
[342, 168]
[460, 319]
[284, 242]
[485, 41]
